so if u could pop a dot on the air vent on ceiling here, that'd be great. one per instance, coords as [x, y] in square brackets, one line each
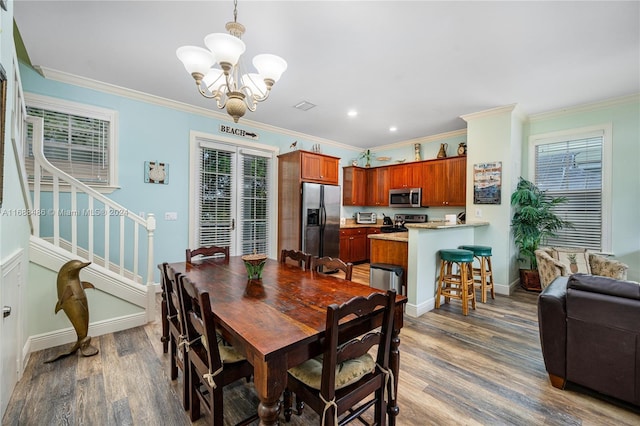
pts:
[304, 106]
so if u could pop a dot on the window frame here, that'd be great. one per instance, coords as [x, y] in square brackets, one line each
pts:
[83, 110]
[603, 130]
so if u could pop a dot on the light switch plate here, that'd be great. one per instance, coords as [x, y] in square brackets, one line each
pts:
[478, 212]
[171, 216]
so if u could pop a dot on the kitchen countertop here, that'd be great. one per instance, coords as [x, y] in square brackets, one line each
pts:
[392, 236]
[444, 225]
[360, 225]
[404, 236]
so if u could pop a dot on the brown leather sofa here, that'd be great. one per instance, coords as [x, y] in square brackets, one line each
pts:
[590, 334]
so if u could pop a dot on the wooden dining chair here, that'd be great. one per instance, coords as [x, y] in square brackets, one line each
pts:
[213, 363]
[330, 264]
[175, 326]
[342, 379]
[164, 319]
[303, 259]
[208, 252]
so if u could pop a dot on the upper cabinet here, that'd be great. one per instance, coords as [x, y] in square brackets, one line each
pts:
[445, 182]
[319, 168]
[406, 176]
[354, 187]
[311, 166]
[377, 186]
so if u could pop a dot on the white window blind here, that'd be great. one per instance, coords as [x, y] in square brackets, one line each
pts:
[254, 203]
[77, 145]
[573, 168]
[215, 198]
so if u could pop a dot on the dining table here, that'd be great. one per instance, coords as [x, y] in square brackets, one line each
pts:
[279, 320]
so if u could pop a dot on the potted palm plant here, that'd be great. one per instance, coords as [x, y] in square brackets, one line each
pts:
[532, 222]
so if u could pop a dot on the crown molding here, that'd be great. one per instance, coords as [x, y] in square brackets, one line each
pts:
[593, 106]
[112, 89]
[490, 112]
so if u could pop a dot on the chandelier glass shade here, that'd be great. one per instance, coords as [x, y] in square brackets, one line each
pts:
[216, 71]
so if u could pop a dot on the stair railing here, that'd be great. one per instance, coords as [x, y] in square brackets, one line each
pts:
[82, 221]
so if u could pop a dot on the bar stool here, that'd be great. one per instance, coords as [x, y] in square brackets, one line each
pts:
[460, 284]
[484, 274]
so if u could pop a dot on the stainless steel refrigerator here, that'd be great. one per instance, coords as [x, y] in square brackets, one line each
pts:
[321, 219]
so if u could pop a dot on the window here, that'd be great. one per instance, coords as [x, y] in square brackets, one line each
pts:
[576, 165]
[78, 139]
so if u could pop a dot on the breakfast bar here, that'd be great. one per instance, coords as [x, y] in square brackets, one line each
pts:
[422, 242]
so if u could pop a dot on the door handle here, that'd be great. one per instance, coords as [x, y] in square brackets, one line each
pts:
[6, 311]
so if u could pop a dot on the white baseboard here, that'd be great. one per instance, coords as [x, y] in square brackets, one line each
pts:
[68, 335]
[415, 311]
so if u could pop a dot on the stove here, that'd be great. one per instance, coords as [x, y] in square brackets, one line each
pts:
[401, 219]
[389, 229]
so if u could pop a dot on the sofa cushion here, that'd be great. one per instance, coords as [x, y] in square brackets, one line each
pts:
[605, 285]
[575, 259]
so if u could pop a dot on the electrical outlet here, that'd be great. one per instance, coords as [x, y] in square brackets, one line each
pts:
[478, 212]
[171, 216]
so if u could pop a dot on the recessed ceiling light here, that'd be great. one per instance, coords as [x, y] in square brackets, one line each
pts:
[393, 128]
[304, 106]
[352, 113]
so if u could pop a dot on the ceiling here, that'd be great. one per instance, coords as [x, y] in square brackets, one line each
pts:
[417, 65]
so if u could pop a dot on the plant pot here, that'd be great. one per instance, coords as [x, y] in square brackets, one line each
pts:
[530, 280]
[254, 264]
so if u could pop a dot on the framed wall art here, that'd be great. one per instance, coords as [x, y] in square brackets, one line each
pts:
[487, 183]
[156, 172]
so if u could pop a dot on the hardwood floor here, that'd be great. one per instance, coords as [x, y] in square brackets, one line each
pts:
[483, 369]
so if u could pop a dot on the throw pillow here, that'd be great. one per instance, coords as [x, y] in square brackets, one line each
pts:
[575, 259]
[607, 267]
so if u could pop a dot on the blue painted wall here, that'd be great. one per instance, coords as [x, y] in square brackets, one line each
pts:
[149, 132]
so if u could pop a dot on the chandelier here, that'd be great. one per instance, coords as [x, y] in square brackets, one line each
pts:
[230, 88]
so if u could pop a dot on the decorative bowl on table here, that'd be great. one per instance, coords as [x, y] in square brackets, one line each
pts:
[254, 264]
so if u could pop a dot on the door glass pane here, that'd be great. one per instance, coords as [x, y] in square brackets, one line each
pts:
[216, 191]
[254, 204]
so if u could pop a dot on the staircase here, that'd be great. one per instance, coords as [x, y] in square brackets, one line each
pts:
[71, 220]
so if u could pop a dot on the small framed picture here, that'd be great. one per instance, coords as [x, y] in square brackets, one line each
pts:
[487, 183]
[156, 172]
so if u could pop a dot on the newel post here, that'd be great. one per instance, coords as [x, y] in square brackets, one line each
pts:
[151, 226]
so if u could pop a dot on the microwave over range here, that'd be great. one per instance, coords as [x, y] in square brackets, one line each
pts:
[405, 197]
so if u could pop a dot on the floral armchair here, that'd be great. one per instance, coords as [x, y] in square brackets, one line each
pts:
[563, 261]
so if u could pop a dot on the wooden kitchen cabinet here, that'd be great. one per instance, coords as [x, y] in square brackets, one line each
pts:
[445, 182]
[353, 244]
[377, 186]
[318, 168]
[406, 175]
[369, 232]
[354, 186]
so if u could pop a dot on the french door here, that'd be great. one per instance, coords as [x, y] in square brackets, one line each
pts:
[232, 189]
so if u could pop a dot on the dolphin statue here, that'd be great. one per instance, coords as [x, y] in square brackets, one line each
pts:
[73, 301]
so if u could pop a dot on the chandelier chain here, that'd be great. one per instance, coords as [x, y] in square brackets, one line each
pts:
[235, 10]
